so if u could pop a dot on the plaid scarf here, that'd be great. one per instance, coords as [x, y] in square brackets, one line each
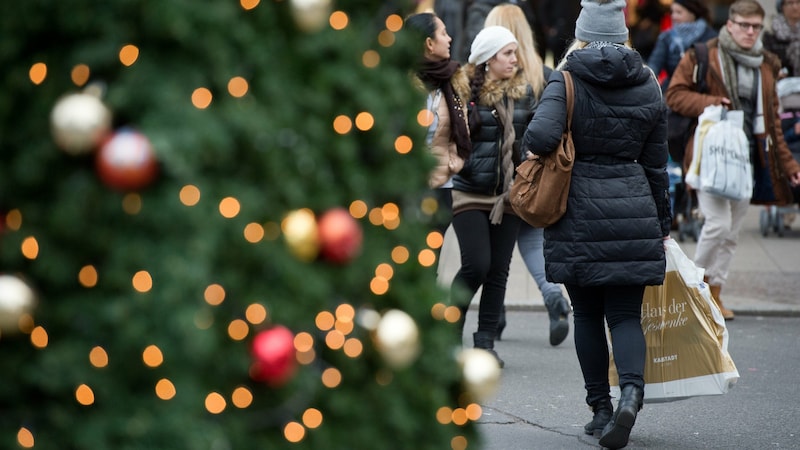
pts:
[739, 66]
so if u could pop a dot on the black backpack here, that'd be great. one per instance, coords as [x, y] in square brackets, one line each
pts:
[680, 128]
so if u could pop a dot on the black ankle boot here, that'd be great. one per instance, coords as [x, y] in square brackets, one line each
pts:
[557, 309]
[602, 415]
[501, 324]
[485, 340]
[616, 433]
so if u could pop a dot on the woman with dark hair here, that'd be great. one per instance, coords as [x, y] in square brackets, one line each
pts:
[690, 24]
[447, 86]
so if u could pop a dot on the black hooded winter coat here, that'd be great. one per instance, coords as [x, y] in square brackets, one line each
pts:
[618, 210]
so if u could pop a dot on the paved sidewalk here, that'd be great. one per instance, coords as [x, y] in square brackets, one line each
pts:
[540, 401]
[764, 278]
[540, 398]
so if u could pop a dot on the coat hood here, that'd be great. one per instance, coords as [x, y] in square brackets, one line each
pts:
[611, 66]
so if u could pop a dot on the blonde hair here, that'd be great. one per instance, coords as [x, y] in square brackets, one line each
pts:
[511, 16]
[577, 45]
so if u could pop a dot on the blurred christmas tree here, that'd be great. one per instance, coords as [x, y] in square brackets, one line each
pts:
[215, 207]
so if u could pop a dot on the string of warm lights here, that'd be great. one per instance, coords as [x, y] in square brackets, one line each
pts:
[394, 332]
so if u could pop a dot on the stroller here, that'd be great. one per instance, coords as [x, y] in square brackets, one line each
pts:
[686, 215]
[780, 218]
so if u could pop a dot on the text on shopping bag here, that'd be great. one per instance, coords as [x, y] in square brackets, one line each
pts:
[681, 341]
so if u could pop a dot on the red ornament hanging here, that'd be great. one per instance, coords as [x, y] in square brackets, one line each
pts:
[340, 236]
[126, 161]
[273, 352]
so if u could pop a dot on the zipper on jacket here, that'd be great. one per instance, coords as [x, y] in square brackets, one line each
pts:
[499, 144]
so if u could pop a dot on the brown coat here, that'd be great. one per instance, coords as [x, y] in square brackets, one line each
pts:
[683, 98]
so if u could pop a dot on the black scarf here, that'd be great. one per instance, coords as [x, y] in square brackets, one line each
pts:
[437, 75]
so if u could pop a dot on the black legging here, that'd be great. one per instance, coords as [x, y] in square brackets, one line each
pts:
[486, 251]
[622, 308]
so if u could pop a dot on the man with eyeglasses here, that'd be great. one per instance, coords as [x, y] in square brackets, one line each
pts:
[784, 37]
[741, 76]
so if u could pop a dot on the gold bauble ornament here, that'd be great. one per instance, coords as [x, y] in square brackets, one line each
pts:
[79, 123]
[300, 232]
[311, 15]
[397, 338]
[16, 300]
[481, 373]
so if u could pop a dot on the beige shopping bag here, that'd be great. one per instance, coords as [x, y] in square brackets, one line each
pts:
[687, 341]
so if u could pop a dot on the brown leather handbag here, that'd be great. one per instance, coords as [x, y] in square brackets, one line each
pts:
[540, 189]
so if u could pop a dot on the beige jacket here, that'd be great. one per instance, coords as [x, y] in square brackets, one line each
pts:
[448, 163]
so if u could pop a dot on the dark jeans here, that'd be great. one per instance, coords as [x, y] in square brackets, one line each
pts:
[622, 308]
[486, 251]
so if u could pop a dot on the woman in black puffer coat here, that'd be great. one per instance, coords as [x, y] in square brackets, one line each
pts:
[500, 107]
[609, 244]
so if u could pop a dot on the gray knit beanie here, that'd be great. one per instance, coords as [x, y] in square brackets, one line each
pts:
[602, 20]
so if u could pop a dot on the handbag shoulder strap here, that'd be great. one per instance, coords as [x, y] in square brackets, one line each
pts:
[570, 88]
[701, 68]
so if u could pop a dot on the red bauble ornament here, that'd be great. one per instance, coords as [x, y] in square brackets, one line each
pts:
[273, 353]
[126, 161]
[340, 236]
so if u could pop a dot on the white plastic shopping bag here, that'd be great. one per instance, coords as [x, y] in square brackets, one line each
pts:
[686, 336]
[721, 160]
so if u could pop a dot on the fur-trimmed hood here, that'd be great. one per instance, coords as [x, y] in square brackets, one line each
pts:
[493, 91]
